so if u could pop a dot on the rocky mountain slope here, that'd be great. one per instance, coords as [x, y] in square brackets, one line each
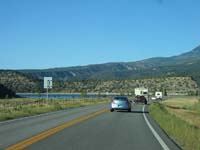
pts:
[187, 64]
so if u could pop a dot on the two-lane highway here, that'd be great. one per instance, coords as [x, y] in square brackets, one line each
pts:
[101, 130]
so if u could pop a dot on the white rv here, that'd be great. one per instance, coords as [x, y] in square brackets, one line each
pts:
[158, 95]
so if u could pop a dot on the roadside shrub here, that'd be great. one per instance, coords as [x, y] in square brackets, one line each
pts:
[57, 106]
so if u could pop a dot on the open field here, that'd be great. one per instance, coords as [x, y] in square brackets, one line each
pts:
[23, 107]
[180, 118]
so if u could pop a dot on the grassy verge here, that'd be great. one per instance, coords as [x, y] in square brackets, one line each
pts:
[180, 119]
[23, 107]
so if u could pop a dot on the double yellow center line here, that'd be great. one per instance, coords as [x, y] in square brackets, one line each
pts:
[23, 144]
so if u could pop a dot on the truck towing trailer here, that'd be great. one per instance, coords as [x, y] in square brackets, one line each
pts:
[141, 95]
[141, 92]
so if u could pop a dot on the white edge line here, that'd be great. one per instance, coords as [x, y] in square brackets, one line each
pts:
[159, 139]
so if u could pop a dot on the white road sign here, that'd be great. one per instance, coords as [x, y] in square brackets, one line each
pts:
[48, 82]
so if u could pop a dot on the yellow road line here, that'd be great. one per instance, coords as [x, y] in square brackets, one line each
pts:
[23, 144]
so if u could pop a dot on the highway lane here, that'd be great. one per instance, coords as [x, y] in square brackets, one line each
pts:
[113, 131]
[17, 130]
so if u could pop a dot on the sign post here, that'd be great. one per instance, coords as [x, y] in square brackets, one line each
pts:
[48, 83]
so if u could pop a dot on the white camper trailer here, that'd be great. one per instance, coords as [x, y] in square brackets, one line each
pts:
[158, 95]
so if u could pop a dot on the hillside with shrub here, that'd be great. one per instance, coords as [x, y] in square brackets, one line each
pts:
[170, 85]
[19, 82]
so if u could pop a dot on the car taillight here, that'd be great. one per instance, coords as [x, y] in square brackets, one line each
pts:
[126, 102]
[113, 102]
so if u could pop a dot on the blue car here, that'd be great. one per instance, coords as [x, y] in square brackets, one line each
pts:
[120, 103]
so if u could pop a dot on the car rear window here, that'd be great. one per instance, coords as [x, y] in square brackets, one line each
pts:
[121, 98]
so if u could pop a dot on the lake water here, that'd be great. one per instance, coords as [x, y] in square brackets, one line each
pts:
[63, 96]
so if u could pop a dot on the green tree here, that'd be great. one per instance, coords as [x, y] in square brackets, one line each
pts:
[165, 92]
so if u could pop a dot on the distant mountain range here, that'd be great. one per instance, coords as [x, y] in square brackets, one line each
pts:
[187, 64]
[175, 74]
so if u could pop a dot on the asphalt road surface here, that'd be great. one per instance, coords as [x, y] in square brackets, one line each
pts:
[86, 128]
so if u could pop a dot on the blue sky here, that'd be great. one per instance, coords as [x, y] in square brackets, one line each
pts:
[37, 34]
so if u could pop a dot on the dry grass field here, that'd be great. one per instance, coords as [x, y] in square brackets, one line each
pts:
[188, 109]
[23, 107]
[180, 118]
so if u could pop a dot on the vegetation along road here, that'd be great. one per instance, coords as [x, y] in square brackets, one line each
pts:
[90, 127]
[180, 118]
